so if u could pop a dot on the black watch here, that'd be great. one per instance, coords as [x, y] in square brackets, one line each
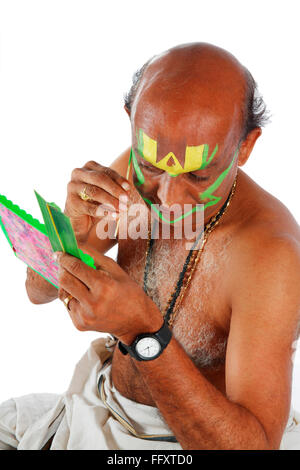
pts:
[148, 346]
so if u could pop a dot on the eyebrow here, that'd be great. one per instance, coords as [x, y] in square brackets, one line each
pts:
[138, 152]
[213, 163]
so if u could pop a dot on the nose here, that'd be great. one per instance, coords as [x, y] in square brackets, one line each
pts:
[170, 189]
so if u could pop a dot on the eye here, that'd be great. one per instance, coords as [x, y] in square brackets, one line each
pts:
[150, 168]
[198, 178]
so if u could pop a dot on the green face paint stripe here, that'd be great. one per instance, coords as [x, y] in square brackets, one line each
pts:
[140, 141]
[214, 200]
[205, 155]
[129, 161]
[208, 193]
[138, 171]
[195, 209]
[205, 195]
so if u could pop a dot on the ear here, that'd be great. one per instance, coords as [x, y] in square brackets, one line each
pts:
[127, 110]
[247, 145]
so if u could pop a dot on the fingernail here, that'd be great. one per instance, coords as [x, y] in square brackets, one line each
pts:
[125, 186]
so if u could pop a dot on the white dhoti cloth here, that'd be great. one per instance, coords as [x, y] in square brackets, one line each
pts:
[93, 415]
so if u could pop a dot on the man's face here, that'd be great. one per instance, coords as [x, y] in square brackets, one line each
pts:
[194, 175]
[186, 126]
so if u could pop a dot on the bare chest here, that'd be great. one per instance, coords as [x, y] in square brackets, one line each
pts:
[201, 321]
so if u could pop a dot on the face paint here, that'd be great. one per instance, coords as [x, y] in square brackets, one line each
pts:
[208, 193]
[196, 157]
[137, 169]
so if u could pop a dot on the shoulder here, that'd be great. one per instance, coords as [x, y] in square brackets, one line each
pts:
[265, 258]
[266, 231]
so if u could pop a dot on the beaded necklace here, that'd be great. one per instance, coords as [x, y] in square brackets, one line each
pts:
[190, 263]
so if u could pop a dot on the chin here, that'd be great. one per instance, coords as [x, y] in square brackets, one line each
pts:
[185, 227]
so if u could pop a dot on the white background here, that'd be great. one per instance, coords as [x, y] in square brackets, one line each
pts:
[64, 67]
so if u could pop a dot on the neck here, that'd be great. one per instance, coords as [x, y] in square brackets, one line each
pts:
[222, 206]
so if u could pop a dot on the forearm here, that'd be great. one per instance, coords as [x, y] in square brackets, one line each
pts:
[38, 289]
[200, 416]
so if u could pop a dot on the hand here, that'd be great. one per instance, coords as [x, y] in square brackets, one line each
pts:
[105, 187]
[106, 299]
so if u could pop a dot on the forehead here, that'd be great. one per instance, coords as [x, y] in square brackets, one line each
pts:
[183, 101]
[190, 131]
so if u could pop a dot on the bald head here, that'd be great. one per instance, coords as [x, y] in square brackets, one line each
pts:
[195, 86]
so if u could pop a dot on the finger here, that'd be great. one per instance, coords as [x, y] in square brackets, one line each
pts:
[79, 278]
[98, 195]
[73, 286]
[92, 165]
[83, 207]
[75, 315]
[63, 295]
[104, 178]
[104, 262]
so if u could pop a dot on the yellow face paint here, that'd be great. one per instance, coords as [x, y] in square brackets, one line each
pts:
[196, 157]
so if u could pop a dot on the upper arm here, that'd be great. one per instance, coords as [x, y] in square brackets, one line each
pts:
[120, 164]
[264, 326]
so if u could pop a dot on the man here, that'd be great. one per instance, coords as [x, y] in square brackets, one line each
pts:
[218, 374]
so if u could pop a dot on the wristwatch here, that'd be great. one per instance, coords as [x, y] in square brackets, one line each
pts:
[148, 346]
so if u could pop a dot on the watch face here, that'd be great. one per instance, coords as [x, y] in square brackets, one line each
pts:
[148, 347]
